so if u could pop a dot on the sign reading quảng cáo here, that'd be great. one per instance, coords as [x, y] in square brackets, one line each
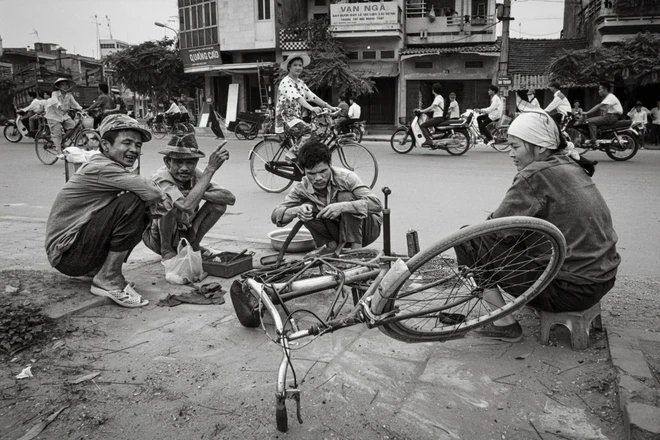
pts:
[201, 56]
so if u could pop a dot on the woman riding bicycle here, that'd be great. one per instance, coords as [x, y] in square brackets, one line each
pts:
[293, 96]
[57, 110]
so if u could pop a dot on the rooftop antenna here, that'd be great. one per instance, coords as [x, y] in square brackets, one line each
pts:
[34, 32]
[109, 28]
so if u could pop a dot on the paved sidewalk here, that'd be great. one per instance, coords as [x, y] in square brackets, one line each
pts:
[467, 388]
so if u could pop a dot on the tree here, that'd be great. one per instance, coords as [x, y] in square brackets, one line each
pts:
[7, 88]
[152, 68]
[633, 62]
[329, 66]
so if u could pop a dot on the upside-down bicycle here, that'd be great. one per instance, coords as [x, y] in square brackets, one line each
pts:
[428, 297]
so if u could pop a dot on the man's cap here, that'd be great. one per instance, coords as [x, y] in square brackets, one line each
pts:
[303, 56]
[182, 146]
[60, 84]
[122, 122]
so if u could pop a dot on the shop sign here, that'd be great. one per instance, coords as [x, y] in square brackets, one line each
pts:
[201, 56]
[504, 81]
[367, 14]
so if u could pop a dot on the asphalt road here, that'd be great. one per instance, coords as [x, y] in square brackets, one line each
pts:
[433, 192]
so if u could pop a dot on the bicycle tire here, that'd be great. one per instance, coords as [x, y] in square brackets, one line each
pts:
[263, 152]
[45, 149]
[441, 315]
[241, 131]
[501, 137]
[88, 138]
[281, 417]
[465, 144]
[12, 134]
[159, 130]
[357, 158]
[179, 129]
[252, 134]
[630, 147]
[401, 142]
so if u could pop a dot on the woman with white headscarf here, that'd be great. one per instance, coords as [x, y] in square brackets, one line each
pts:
[551, 186]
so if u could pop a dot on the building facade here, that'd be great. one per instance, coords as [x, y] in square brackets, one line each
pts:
[110, 46]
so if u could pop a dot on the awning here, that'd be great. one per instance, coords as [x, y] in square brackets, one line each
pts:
[478, 49]
[377, 68]
[236, 69]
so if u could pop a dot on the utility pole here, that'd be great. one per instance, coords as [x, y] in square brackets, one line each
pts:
[98, 36]
[505, 18]
[109, 28]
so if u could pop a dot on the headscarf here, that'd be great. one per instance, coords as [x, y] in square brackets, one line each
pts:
[536, 127]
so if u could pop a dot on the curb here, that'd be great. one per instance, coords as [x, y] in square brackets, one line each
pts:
[59, 311]
[638, 399]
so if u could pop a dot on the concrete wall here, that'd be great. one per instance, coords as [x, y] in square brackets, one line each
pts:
[240, 29]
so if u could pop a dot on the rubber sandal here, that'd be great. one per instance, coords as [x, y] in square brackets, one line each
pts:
[125, 298]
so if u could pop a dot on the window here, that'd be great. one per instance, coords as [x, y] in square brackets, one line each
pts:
[207, 14]
[352, 55]
[263, 8]
[369, 55]
[424, 65]
[474, 64]
[193, 16]
[320, 2]
[386, 54]
[200, 17]
[198, 23]
[479, 8]
[213, 14]
[320, 16]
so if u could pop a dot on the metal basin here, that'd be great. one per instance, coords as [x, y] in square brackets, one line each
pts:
[302, 242]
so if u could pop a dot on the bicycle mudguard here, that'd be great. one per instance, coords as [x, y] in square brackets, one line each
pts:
[246, 304]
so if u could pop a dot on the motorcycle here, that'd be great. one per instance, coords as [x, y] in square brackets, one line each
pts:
[620, 141]
[452, 135]
[17, 129]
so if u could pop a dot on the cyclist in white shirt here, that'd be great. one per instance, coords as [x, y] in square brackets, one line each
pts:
[173, 113]
[559, 108]
[492, 113]
[612, 107]
[438, 107]
[354, 111]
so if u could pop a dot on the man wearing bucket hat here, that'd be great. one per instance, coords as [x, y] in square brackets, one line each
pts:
[187, 186]
[553, 187]
[100, 214]
[293, 95]
[57, 110]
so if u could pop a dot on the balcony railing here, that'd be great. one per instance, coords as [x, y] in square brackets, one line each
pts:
[295, 38]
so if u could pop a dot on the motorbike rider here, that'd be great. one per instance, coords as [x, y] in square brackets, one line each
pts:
[612, 107]
[173, 113]
[33, 111]
[492, 113]
[438, 108]
[104, 105]
[342, 115]
[559, 108]
[639, 116]
[57, 110]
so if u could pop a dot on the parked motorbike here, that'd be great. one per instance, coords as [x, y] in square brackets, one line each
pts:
[17, 129]
[620, 141]
[451, 136]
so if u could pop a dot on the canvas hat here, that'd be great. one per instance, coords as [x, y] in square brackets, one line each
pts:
[123, 122]
[182, 147]
[303, 56]
[60, 84]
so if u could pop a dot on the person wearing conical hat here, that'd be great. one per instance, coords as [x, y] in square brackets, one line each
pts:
[57, 110]
[187, 186]
[100, 214]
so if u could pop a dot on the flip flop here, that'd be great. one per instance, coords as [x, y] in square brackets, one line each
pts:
[127, 297]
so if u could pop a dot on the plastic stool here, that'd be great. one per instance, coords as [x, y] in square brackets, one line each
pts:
[577, 323]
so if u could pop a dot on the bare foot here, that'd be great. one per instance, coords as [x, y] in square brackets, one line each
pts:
[107, 283]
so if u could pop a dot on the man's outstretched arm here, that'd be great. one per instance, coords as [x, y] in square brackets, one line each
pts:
[196, 194]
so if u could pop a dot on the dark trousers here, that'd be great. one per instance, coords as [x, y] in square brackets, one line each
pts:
[596, 122]
[433, 122]
[343, 125]
[488, 253]
[348, 228]
[483, 121]
[655, 133]
[117, 227]
[174, 118]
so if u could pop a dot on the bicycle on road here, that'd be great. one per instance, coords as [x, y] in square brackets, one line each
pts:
[79, 136]
[428, 297]
[159, 128]
[274, 172]
[500, 133]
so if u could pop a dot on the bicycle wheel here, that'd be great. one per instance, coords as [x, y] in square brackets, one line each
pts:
[252, 132]
[438, 298]
[460, 143]
[241, 130]
[46, 151]
[263, 153]
[501, 137]
[179, 129]
[401, 142]
[624, 150]
[159, 130]
[88, 138]
[12, 134]
[358, 159]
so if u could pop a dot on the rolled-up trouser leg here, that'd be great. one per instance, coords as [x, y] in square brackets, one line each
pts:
[117, 227]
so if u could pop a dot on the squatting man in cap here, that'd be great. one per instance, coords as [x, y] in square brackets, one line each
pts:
[187, 186]
[101, 212]
[551, 186]
[332, 202]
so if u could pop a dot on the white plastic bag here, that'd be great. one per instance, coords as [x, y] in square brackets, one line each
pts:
[186, 267]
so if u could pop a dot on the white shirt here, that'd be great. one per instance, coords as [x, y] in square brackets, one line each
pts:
[182, 109]
[354, 111]
[494, 111]
[656, 116]
[174, 109]
[560, 104]
[612, 104]
[454, 110]
[639, 116]
[37, 106]
[534, 103]
[438, 106]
